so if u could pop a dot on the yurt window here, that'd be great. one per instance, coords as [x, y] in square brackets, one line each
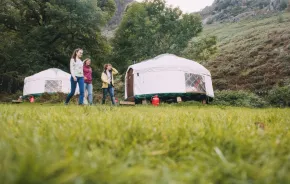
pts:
[194, 83]
[52, 86]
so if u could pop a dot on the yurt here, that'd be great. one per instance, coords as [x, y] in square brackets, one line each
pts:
[169, 77]
[52, 80]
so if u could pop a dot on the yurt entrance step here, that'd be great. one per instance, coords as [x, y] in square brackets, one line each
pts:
[126, 103]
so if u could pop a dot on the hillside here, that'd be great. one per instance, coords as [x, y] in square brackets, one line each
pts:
[120, 9]
[236, 10]
[253, 54]
[121, 5]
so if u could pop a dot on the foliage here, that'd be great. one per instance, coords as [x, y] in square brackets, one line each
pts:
[280, 18]
[279, 96]
[201, 48]
[238, 98]
[36, 35]
[56, 144]
[10, 82]
[150, 28]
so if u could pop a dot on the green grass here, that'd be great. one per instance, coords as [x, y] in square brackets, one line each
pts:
[142, 144]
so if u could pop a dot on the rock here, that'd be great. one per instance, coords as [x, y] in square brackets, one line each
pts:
[236, 10]
[274, 5]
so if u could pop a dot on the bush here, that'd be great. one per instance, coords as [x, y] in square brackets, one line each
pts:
[238, 98]
[209, 21]
[279, 96]
[8, 97]
[10, 82]
[53, 98]
[280, 18]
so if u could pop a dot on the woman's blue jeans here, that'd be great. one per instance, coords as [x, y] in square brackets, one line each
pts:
[89, 88]
[80, 82]
[110, 89]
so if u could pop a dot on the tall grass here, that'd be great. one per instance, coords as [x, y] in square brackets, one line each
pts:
[142, 144]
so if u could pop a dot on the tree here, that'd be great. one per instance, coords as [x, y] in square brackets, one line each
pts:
[41, 34]
[201, 48]
[149, 29]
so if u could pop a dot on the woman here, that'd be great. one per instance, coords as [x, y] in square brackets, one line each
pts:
[88, 79]
[108, 82]
[77, 76]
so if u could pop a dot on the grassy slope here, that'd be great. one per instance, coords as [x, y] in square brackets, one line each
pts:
[253, 54]
[57, 144]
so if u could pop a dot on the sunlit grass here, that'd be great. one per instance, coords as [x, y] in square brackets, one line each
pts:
[169, 144]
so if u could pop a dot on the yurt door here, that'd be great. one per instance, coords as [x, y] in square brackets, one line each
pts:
[130, 82]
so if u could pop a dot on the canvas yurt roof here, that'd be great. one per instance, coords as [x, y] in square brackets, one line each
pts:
[48, 81]
[52, 73]
[169, 62]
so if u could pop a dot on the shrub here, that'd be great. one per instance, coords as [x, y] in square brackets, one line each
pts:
[238, 98]
[280, 18]
[279, 96]
[53, 98]
[209, 21]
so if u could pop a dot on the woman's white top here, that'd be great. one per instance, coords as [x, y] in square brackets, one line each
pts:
[76, 67]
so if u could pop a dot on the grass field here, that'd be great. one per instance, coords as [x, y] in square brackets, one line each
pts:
[168, 144]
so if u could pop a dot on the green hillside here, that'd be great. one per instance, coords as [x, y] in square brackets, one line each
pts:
[253, 54]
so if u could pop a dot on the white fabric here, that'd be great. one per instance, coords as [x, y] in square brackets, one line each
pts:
[109, 76]
[76, 67]
[166, 74]
[208, 86]
[35, 84]
[159, 82]
[169, 62]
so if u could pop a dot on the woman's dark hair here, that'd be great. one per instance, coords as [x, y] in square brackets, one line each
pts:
[74, 55]
[106, 66]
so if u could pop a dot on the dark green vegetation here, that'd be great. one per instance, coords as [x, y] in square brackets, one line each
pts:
[36, 35]
[58, 144]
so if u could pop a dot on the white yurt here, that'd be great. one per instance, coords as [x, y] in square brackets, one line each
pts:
[52, 80]
[168, 76]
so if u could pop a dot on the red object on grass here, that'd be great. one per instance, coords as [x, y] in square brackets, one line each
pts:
[31, 99]
[155, 100]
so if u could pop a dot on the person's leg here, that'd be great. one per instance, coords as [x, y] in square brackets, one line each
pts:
[90, 93]
[72, 90]
[104, 95]
[112, 95]
[86, 93]
[81, 88]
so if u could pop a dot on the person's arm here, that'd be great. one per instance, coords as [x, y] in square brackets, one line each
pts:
[71, 69]
[114, 71]
[104, 78]
[85, 70]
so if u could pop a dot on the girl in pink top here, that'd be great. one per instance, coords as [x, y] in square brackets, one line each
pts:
[88, 79]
